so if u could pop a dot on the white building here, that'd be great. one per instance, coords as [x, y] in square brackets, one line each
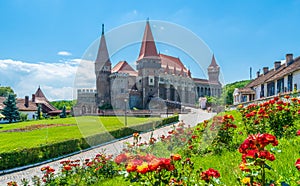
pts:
[282, 79]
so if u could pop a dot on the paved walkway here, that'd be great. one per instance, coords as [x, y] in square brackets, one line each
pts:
[192, 118]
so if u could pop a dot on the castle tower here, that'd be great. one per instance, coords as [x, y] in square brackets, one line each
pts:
[148, 66]
[213, 70]
[102, 71]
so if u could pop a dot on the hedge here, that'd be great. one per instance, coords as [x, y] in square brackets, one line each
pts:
[28, 156]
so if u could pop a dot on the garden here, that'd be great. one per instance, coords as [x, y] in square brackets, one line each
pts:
[30, 142]
[256, 145]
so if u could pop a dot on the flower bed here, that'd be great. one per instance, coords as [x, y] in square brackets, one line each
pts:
[252, 150]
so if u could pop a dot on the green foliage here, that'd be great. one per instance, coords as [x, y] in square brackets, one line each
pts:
[60, 104]
[38, 112]
[23, 116]
[63, 113]
[10, 110]
[106, 107]
[227, 92]
[5, 91]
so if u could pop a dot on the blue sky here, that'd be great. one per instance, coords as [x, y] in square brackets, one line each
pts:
[42, 40]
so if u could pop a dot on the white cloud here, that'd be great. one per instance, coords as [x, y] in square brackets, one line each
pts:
[64, 53]
[56, 79]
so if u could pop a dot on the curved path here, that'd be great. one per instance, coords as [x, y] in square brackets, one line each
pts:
[192, 118]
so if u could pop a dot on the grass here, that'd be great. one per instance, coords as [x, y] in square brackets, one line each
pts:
[83, 126]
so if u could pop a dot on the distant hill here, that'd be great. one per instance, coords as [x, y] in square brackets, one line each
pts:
[228, 89]
[59, 104]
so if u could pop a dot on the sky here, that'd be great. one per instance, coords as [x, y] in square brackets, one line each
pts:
[42, 42]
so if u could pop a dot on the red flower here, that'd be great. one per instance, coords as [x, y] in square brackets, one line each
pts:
[286, 96]
[121, 158]
[209, 174]
[154, 164]
[298, 133]
[297, 164]
[67, 168]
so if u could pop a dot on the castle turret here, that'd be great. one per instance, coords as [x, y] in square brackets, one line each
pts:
[103, 71]
[213, 71]
[148, 66]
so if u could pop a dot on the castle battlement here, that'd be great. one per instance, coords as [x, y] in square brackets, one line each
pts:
[86, 90]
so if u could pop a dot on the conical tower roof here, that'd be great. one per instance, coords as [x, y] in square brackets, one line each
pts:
[39, 93]
[148, 47]
[102, 55]
[213, 62]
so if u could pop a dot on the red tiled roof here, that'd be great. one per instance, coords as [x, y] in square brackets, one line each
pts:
[20, 103]
[40, 98]
[286, 70]
[148, 48]
[124, 67]
[22, 107]
[205, 81]
[172, 63]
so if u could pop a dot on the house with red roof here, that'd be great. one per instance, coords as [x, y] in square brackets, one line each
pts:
[29, 106]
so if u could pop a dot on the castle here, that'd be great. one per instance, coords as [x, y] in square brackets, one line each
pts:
[157, 78]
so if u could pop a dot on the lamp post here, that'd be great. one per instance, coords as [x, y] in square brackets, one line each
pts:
[167, 107]
[125, 114]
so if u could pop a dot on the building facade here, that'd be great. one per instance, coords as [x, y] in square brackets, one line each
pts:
[283, 78]
[156, 77]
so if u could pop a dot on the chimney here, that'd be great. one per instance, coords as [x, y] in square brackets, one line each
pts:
[288, 58]
[266, 70]
[257, 74]
[26, 101]
[33, 98]
[277, 64]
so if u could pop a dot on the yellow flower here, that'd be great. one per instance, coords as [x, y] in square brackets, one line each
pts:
[246, 180]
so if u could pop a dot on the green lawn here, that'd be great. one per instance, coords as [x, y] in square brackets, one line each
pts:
[82, 127]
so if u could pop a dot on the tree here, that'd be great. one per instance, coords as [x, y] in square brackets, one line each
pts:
[10, 110]
[38, 112]
[63, 113]
[5, 91]
[227, 92]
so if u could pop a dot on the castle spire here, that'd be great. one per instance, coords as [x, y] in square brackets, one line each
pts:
[148, 48]
[102, 55]
[213, 62]
[102, 29]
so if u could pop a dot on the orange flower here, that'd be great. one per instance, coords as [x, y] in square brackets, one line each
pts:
[135, 135]
[176, 157]
[143, 169]
[130, 167]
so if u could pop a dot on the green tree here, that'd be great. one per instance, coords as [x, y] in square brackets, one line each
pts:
[227, 92]
[38, 112]
[10, 110]
[5, 91]
[60, 104]
[63, 113]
